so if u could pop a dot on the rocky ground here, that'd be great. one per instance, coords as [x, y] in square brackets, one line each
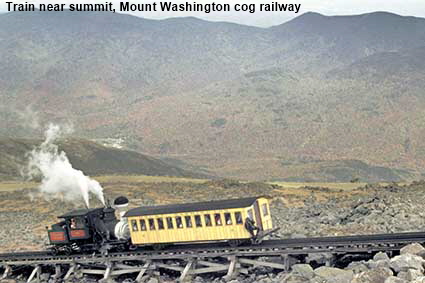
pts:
[307, 211]
[371, 209]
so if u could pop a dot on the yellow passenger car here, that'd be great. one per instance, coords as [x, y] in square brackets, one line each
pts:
[232, 220]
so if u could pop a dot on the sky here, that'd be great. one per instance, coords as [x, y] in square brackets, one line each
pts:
[265, 19]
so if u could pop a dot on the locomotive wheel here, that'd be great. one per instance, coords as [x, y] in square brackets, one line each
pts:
[121, 248]
[54, 251]
[132, 247]
[158, 247]
[234, 243]
[67, 250]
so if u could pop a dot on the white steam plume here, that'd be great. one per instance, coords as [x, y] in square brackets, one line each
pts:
[58, 177]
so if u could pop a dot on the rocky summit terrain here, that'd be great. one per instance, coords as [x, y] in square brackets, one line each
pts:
[299, 212]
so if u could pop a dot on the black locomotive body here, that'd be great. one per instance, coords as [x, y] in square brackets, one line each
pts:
[86, 230]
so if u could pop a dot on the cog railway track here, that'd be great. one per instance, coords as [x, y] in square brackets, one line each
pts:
[194, 259]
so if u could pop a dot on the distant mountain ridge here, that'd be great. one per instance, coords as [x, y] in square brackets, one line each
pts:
[234, 99]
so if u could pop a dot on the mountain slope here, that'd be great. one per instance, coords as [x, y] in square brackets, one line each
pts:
[343, 39]
[236, 100]
[90, 157]
[399, 65]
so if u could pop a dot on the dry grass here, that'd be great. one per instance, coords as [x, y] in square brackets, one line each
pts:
[6, 186]
[16, 185]
[145, 179]
[340, 186]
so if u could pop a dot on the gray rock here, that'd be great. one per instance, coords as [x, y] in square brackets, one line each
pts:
[393, 279]
[334, 275]
[153, 280]
[402, 275]
[379, 264]
[414, 249]
[412, 274]
[405, 262]
[419, 280]
[303, 270]
[357, 266]
[199, 279]
[381, 256]
[293, 278]
[378, 275]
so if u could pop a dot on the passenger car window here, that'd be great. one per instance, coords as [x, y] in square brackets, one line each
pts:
[188, 220]
[160, 224]
[208, 221]
[198, 221]
[238, 217]
[179, 222]
[228, 218]
[142, 224]
[217, 218]
[170, 223]
[151, 224]
[134, 226]
[265, 210]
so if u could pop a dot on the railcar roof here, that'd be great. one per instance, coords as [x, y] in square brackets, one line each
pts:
[189, 207]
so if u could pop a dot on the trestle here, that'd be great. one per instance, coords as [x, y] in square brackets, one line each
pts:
[35, 275]
[140, 270]
[7, 272]
[70, 271]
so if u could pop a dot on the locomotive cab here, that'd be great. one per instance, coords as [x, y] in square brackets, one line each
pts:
[58, 234]
[78, 231]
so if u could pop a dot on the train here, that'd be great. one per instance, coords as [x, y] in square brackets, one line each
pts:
[117, 228]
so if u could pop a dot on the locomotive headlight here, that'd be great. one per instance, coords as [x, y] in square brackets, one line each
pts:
[121, 205]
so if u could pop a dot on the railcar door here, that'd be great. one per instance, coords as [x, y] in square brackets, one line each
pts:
[258, 220]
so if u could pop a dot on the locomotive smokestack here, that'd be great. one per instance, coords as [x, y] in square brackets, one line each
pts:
[121, 205]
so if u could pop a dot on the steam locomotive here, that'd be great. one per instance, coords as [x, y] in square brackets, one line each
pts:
[99, 229]
[96, 229]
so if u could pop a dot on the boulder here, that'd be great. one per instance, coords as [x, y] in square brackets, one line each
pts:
[334, 275]
[357, 266]
[303, 270]
[419, 280]
[402, 275]
[405, 262]
[393, 279]
[412, 274]
[378, 264]
[414, 249]
[292, 278]
[381, 256]
[378, 275]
